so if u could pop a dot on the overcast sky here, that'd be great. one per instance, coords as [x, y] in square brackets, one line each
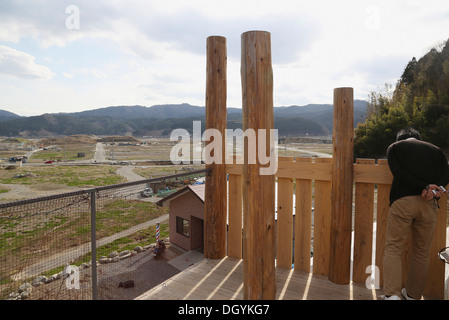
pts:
[66, 56]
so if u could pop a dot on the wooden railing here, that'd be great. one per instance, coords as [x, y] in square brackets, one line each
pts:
[305, 183]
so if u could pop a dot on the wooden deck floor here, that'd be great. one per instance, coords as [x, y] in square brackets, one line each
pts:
[223, 280]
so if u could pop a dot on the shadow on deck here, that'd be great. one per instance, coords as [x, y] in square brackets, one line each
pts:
[223, 280]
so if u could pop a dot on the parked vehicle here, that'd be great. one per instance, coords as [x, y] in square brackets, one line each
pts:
[147, 192]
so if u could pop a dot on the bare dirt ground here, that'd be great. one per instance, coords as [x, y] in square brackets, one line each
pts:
[143, 269]
[146, 272]
[21, 191]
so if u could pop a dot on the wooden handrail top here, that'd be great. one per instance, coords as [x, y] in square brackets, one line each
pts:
[363, 173]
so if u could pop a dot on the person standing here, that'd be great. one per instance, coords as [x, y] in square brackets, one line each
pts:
[420, 173]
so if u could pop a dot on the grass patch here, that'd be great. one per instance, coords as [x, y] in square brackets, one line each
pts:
[73, 176]
[128, 212]
[67, 152]
[161, 171]
[141, 238]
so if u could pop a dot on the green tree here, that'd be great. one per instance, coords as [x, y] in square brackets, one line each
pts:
[373, 137]
[420, 99]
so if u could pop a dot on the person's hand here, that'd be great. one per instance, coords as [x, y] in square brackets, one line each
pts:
[428, 193]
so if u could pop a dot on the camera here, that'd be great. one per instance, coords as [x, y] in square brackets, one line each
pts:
[441, 189]
[444, 254]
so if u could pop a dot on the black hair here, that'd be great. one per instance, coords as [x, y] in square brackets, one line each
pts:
[408, 133]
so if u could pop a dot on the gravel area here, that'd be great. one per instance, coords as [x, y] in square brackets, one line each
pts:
[143, 269]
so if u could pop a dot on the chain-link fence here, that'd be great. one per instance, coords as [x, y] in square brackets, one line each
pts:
[47, 252]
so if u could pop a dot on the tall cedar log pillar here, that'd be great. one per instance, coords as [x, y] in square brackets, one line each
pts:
[215, 207]
[258, 190]
[342, 174]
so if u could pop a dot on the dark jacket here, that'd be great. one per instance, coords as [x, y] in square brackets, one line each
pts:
[414, 165]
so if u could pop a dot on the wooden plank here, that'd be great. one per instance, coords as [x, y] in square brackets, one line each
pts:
[305, 170]
[383, 201]
[321, 224]
[258, 190]
[342, 185]
[303, 222]
[363, 227]
[215, 207]
[222, 279]
[366, 173]
[233, 168]
[235, 216]
[297, 170]
[284, 224]
[372, 173]
[435, 282]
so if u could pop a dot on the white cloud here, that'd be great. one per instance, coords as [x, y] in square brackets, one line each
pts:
[67, 75]
[22, 65]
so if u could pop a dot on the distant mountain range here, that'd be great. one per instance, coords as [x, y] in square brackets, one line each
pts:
[6, 115]
[160, 120]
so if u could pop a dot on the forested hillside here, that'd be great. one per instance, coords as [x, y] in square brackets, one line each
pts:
[420, 99]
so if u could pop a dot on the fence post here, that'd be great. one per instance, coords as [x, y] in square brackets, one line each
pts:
[342, 182]
[93, 242]
[215, 206]
[259, 280]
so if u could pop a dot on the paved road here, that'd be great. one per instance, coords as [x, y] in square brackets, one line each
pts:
[29, 154]
[99, 153]
[128, 173]
[313, 153]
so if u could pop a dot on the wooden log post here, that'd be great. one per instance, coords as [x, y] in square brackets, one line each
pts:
[215, 207]
[342, 185]
[259, 280]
